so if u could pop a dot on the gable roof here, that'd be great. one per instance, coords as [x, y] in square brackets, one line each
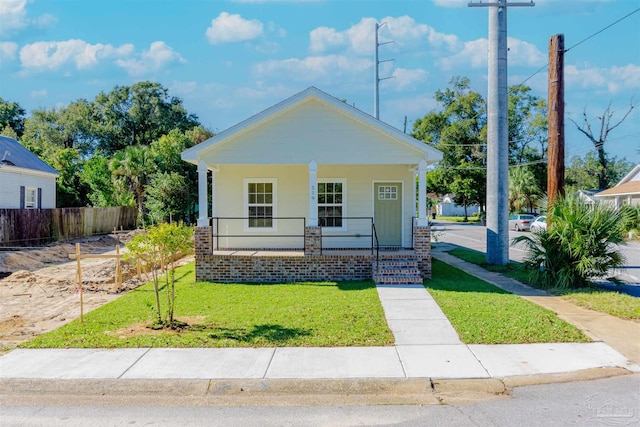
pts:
[630, 184]
[404, 141]
[12, 153]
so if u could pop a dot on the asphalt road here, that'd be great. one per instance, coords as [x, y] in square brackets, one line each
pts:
[473, 236]
[610, 401]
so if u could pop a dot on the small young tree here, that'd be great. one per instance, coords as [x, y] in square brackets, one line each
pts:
[160, 246]
[173, 240]
[143, 249]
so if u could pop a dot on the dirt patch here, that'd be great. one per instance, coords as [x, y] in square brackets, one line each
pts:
[41, 294]
[138, 329]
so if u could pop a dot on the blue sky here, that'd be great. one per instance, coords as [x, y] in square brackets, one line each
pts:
[231, 59]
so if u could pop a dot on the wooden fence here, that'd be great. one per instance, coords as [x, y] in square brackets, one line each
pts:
[31, 227]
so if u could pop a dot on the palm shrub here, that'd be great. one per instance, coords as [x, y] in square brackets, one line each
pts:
[578, 245]
[630, 219]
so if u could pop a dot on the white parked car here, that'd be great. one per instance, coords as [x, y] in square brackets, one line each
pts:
[520, 222]
[540, 224]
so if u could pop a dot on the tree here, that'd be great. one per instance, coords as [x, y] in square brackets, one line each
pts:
[584, 173]
[165, 197]
[600, 138]
[523, 189]
[160, 246]
[134, 165]
[458, 129]
[12, 116]
[528, 132]
[104, 190]
[138, 115]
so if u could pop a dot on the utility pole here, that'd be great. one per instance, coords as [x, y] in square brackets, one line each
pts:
[376, 79]
[555, 150]
[498, 134]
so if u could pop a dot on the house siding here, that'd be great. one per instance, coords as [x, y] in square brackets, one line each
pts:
[311, 131]
[293, 201]
[11, 181]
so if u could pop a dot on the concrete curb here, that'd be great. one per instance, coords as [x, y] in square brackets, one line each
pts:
[288, 392]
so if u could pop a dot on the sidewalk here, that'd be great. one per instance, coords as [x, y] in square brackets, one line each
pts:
[426, 346]
[622, 335]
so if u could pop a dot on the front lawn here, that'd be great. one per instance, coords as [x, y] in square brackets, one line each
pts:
[484, 314]
[605, 301]
[235, 315]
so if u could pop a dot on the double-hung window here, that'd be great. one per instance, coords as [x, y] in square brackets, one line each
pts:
[331, 210]
[260, 197]
[30, 198]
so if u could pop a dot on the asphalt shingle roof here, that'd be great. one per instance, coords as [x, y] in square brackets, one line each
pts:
[20, 157]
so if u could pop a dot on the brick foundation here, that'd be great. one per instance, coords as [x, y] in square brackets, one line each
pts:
[203, 241]
[422, 248]
[313, 241]
[282, 268]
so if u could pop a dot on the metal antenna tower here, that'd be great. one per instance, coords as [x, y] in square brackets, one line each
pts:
[376, 79]
[498, 134]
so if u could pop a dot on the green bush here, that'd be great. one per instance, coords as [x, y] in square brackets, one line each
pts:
[630, 218]
[578, 246]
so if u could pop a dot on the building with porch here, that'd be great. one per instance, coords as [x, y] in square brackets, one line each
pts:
[312, 189]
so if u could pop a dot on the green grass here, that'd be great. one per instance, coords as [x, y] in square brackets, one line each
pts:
[235, 315]
[514, 270]
[471, 219]
[484, 314]
[602, 300]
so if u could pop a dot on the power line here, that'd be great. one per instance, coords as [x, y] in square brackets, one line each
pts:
[580, 42]
[605, 28]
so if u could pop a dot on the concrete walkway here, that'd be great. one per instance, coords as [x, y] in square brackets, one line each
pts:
[622, 335]
[426, 346]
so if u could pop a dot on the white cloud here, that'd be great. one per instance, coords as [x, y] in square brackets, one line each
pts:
[474, 53]
[39, 93]
[8, 50]
[613, 80]
[314, 68]
[451, 3]
[153, 59]
[404, 78]
[227, 28]
[14, 17]
[359, 38]
[40, 56]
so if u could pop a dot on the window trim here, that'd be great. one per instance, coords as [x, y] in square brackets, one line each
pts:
[342, 181]
[27, 190]
[274, 204]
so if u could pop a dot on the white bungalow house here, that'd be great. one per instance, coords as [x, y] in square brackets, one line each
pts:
[448, 207]
[311, 189]
[626, 191]
[26, 182]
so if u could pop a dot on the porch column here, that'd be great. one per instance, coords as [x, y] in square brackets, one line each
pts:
[313, 197]
[203, 219]
[213, 191]
[422, 194]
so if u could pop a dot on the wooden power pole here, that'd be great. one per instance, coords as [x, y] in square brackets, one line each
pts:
[555, 150]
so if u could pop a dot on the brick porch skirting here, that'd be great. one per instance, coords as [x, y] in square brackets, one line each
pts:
[279, 269]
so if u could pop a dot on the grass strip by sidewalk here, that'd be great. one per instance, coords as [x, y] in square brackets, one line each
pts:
[605, 301]
[485, 314]
[235, 315]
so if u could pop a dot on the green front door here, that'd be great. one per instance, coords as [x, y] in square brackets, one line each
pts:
[387, 212]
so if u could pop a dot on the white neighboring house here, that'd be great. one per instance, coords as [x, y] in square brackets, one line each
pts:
[447, 207]
[626, 191]
[26, 182]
